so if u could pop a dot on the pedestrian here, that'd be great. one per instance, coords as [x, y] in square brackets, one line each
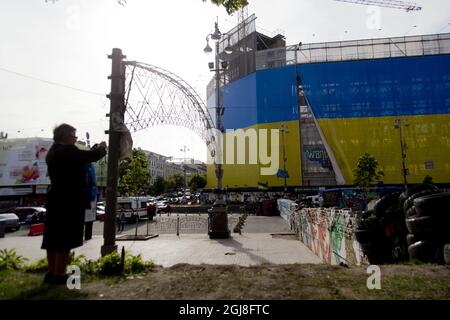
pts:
[151, 211]
[67, 199]
[121, 221]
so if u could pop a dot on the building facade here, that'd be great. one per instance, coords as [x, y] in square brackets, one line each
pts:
[387, 97]
[166, 167]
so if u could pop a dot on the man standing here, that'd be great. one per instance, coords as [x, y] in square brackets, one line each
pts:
[67, 199]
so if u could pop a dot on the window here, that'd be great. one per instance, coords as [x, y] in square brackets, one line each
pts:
[124, 205]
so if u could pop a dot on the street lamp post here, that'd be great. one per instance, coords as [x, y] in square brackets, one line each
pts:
[216, 36]
[184, 149]
[399, 124]
[218, 226]
[284, 129]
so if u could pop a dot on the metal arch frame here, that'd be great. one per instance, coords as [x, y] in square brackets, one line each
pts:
[136, 122]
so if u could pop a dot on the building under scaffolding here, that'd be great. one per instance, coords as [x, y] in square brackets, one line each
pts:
[338, 100]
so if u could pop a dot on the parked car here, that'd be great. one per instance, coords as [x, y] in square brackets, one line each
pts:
[100, 211]
[24, 212]
[11, 221]
[36, 217]
[163, 206]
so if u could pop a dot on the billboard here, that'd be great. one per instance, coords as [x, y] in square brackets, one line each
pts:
[22, 161]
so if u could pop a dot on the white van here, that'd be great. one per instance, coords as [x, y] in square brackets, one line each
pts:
[315, 200]
[132, 205]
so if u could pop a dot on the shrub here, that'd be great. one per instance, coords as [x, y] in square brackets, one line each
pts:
[135, 264]
[90, 267]
[110, 264]
[9, 260]
[79, 260]
[38, 266]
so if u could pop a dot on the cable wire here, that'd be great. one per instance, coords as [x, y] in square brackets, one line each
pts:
[51, 82]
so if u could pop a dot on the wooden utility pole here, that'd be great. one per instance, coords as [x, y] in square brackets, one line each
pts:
[116, 117]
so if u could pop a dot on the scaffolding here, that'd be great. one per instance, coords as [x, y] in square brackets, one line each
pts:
[354, 50]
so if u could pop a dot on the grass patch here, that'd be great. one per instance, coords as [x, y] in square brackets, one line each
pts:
[15, 284]
[20, 281]
[143, 280]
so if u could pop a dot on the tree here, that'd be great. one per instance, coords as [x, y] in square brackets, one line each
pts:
[160, 185]
[134, 174]
[197, 182]
[365, 173]
[176, 181]
[230, 5]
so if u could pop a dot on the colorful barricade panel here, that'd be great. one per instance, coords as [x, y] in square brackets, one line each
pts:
[327, 232]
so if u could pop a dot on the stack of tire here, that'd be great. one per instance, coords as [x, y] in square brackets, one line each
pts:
[427, 215]
[381, 232]
[391, 220]
[370, 237]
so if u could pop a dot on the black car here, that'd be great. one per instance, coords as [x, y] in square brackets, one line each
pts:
[24, 212]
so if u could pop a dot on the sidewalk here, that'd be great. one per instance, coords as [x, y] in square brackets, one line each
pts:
[168, 249]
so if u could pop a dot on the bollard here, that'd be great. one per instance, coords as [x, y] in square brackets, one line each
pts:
[122, 260]
[178, 226]
[137, 223]
[2, 229]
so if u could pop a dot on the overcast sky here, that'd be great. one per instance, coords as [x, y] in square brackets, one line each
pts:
[67, 42]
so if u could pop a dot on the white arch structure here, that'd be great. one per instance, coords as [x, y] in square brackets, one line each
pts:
[155, 96]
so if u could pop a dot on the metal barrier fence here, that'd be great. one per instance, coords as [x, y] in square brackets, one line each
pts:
[189, 223]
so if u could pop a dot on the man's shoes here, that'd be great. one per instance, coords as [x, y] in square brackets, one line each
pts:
[53, 279]
[59, 279]
[48, 277]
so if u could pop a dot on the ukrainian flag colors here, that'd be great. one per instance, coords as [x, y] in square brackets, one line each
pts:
[356, 104]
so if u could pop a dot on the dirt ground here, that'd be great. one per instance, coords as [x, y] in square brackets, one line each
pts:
[273, 282]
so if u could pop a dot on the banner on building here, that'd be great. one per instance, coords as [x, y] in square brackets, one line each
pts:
[22, 161]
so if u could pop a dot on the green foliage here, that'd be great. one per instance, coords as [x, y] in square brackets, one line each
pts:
[38, 266]
[110, 264]
[42, 264]
[134, 174]
[9, 260]
[197, 182]
[365, 173]
[175, 182]
[367, 220]
[19, 285]
[160, 185]
[76, 260]
[230, 5]
[371, 219]
[135, 264]
[89, 267]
